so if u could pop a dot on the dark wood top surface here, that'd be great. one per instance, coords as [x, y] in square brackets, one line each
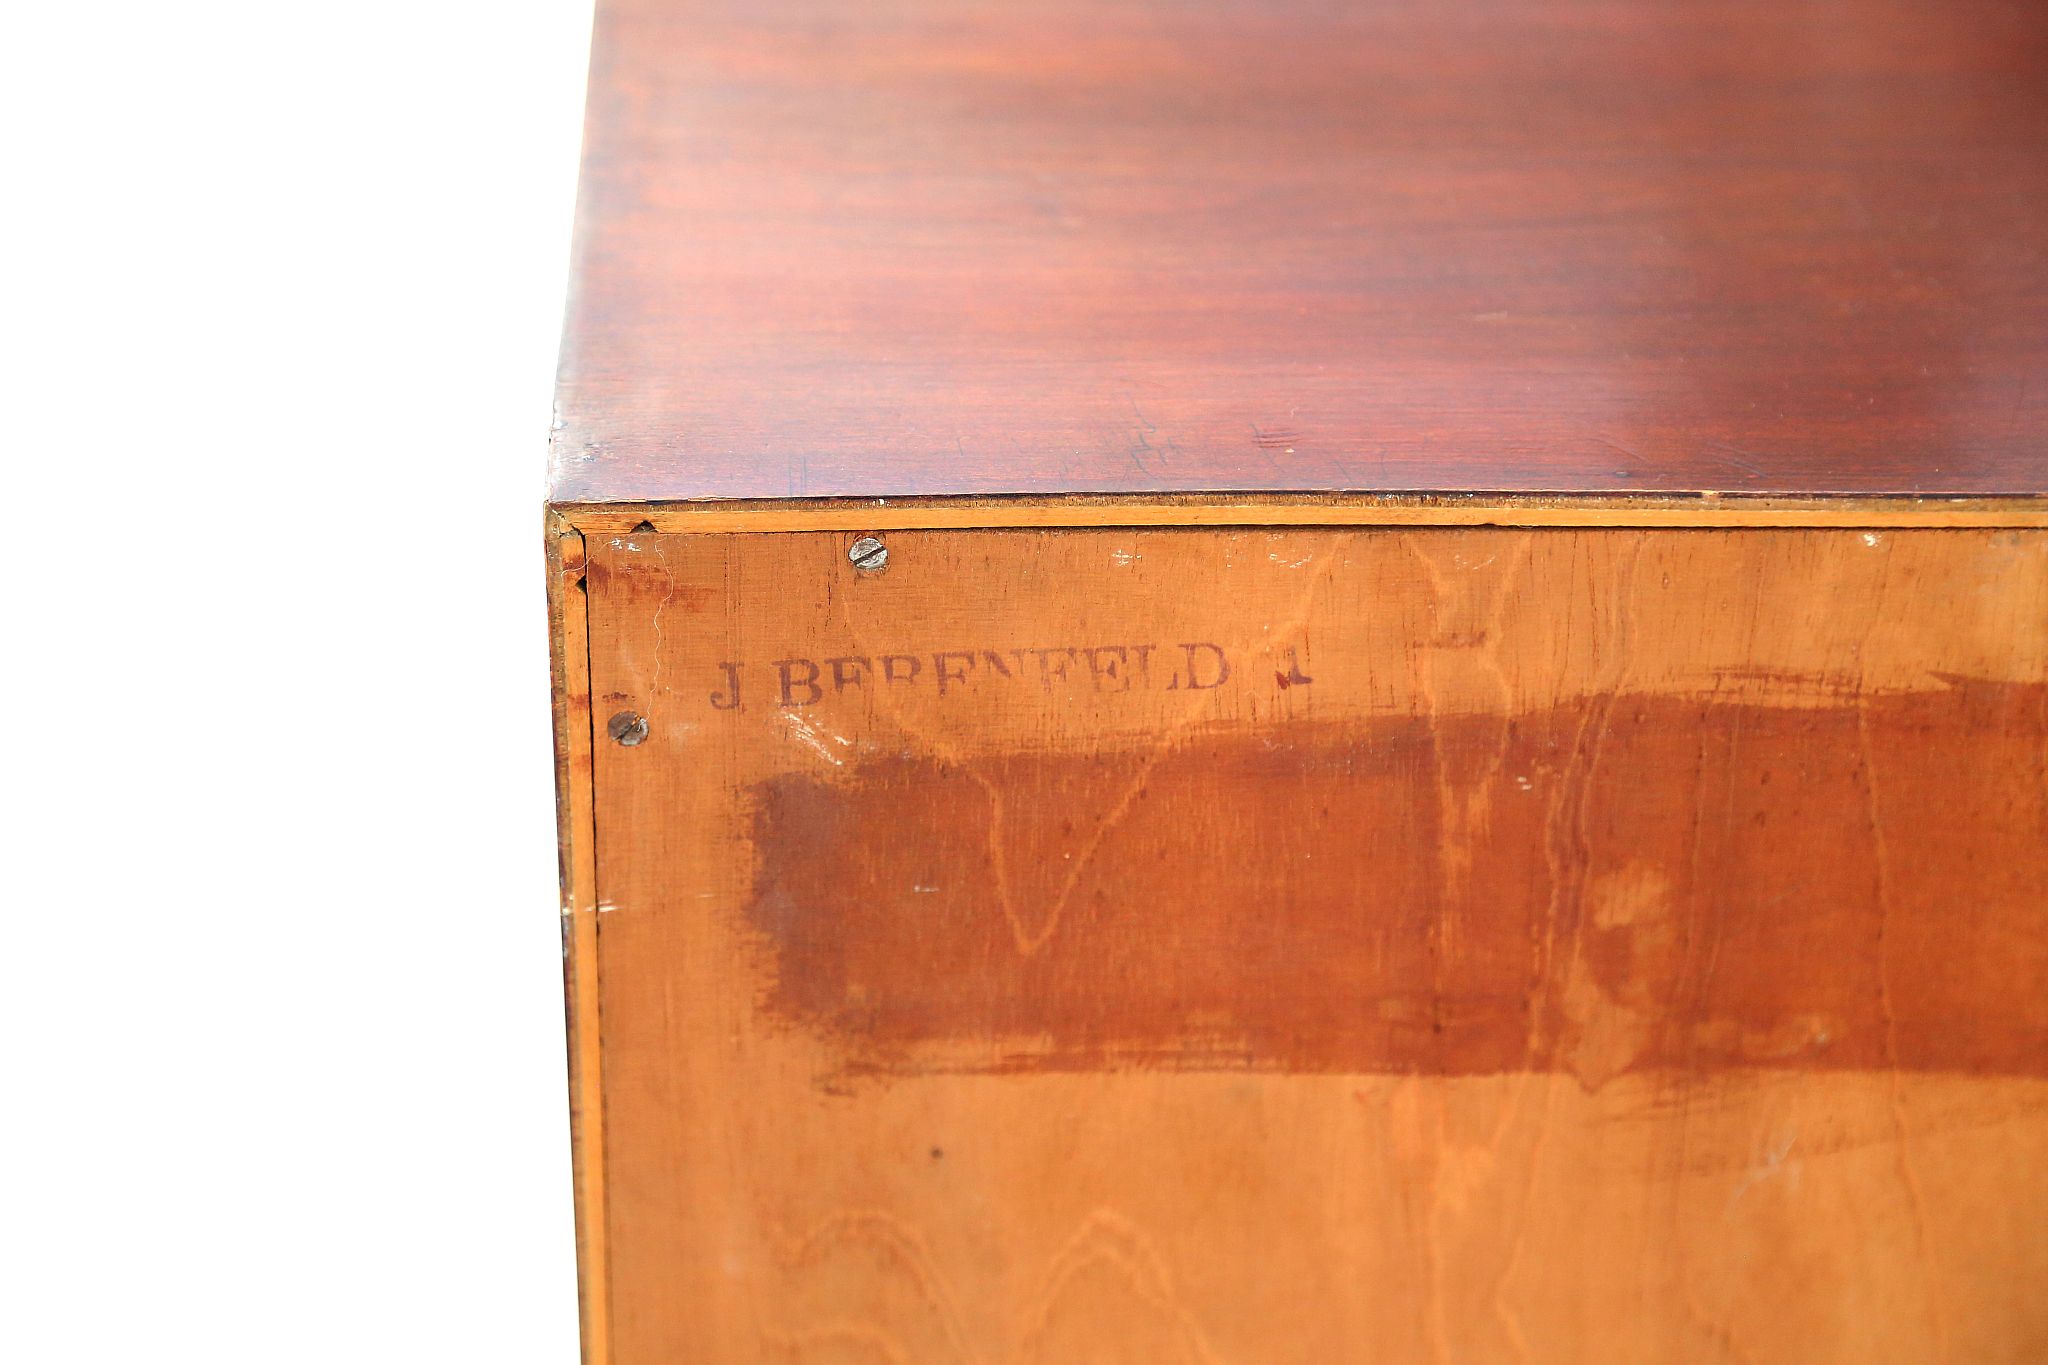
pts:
[922, 247]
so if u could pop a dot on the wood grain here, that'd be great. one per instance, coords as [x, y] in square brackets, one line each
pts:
[1311, 945]
[771, 515]
[902, 247]
[575, 815]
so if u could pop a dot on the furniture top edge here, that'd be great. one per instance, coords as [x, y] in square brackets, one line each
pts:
[1706, 510]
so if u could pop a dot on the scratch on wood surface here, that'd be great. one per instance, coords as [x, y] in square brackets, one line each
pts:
[812, 738]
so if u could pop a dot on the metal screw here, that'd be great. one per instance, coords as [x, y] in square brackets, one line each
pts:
[868, 554]
[628, 728]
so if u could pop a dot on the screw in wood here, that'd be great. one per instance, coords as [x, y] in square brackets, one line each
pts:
[868, 554]
[628, 728]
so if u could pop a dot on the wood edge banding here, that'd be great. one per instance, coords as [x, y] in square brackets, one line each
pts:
[576, 832]
[1704, 511]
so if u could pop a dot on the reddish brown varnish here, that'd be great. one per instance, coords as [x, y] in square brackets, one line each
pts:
[898, 247]
[1716, 894]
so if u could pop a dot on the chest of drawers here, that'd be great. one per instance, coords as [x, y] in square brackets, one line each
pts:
[1308, 683]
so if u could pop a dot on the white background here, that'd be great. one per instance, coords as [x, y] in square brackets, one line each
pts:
[284, 1066]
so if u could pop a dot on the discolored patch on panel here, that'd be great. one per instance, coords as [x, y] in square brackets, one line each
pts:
[1636, 883]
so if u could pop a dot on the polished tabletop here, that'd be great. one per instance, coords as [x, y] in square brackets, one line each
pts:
[1597, 247]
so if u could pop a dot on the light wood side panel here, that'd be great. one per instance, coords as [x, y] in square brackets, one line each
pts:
[1308, 946]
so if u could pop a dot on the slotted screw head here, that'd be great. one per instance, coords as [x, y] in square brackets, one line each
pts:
[627, 727]
[868, 554]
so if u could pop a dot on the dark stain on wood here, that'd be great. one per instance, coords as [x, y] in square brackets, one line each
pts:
[902, 247]
[1622, 884]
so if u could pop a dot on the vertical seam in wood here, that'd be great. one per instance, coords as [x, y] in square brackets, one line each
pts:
[575, 746]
